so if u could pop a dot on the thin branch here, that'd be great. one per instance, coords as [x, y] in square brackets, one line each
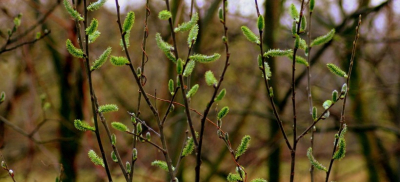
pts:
[24, 43]
[342, 118]
[148, 141]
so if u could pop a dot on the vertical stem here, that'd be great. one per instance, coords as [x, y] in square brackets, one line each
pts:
[93, 96]
[342, 115]
[310, 101]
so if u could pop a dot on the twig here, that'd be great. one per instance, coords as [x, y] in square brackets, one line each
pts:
[216, 88]
[24, 43]
[342, 118]
[148, 141]
[5, 167]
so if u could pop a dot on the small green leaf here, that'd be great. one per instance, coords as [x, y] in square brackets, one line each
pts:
[243, 146]
[171, 87]
[250, 35]
[204, 58]
[108, 108]
[314, 162]
[96, 5]
[293, 12]
[119, 61]
[260, 22]
[223, 112]
[193, 35]
[189, 68]
[186, 26]
[139, 128]
[83, 126]
[92, 27]
[210, 79]
[73, 50]
[119, 126]
[323, 39]
[278, 52]
[220, 96]
[101, 60]
[189, 147]
[75, 15]
[161, 164]
[164, 15]
[95, 158]
[336, 70]
[129, 21]
[192, 91]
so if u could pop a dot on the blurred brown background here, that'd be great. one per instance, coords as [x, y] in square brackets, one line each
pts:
[36, 74]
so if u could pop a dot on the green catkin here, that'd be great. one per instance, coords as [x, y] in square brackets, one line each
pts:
[192, 91]
[267, 71]
[126, 37]
[312, 5]
[95, 158]
[335, 95]
[314, 162]
[128, 167]
[260, 22]
[223, 112]
[92, 27]
[260, 61]
[164, 15]
[139, 128]
[233, 177]
[341, 151]
[303, 44]
[277, 52]
[323, 39]
[114, 157]
[327, 104]
[204, 58]
[113, 139]
[299, 59]
[118, 61]
[94, 36]
[293, 12]
[119, 126]
[108, 108]
[250, 35]
[165, 47]
[189, 147]
[189, 68]
[303, 25]
[243, 146]
[297, 41]
[134, 154]
[161, 164]
[343, 91]
[221, 14]
[96, 5]
[294, 28]
[186, 26]
[314, 113]
[171, 87]
[2, 97]
[336, 70]
[73, 50]
[193, 35]
[129, 21]
[74, 14]
[221, 95]
[101, 60]
[179, 66]
[259, 180]
[83, 126]
[210, 79]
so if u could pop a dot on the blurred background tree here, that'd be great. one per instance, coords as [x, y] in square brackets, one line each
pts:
[46, 91]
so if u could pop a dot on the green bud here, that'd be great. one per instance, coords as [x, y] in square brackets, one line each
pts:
[114, 157]
[113, 139]
[260, 22]
[223, 112]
